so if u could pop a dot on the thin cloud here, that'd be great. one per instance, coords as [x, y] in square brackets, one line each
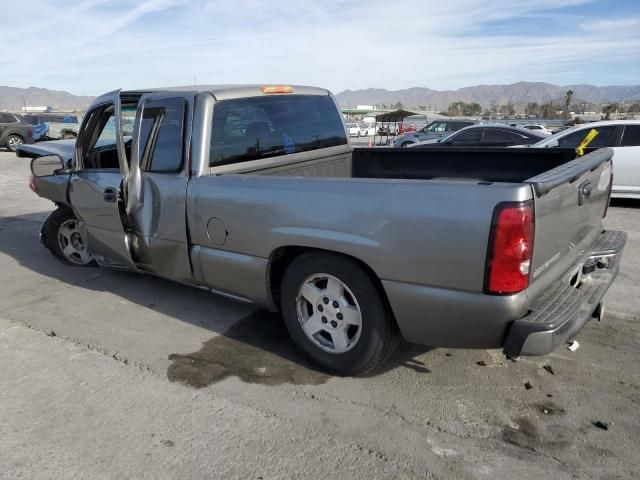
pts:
[98, 46]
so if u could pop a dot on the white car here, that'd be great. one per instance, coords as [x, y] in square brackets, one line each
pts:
[354, 129]
[538, 128]
[367, 129]
[623, 136]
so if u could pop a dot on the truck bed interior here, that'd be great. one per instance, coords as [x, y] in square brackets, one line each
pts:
[509, 165]
[477, 164]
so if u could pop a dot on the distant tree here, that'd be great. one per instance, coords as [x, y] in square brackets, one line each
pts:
[507, 110]
[486, 114]
[634, 108]
[567, 102]
[611, 108]
[397, 106]
[459, 109]
[548, 110]
[532, 109]
[464, 109]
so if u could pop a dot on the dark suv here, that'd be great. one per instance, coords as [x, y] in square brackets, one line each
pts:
[436, 129]
[14, 131]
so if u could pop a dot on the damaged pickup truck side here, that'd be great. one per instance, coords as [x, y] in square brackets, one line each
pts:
[255, 192]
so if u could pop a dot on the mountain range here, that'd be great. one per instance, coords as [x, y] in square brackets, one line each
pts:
[519, 93]
[13, 99]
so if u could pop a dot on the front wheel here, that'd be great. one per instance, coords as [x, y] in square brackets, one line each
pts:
[13, 141]
[63, 237]
[335, 315]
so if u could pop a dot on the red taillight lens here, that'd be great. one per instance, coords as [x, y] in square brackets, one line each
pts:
[510, 249]
[32, 184]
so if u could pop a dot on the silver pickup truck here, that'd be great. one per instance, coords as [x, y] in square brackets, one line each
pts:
[255, 192]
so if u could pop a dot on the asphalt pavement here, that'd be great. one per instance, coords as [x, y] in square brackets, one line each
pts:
[110, 374]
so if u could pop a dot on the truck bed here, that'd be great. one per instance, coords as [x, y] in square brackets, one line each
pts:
[480, 165]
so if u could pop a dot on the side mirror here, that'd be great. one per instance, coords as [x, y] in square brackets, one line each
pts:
[46, 166]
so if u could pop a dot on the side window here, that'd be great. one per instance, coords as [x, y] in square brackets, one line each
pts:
[161, 134]
[436, 127]
[99, 139]
[630, 136]
[252, 128]
[603, 139]
[468, 136]
[7, 118]
[495, 135]
[455, 126]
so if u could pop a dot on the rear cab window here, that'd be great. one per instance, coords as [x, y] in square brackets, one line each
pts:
[253, 128]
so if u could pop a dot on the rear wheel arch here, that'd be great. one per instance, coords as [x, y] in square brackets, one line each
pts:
[282, 257]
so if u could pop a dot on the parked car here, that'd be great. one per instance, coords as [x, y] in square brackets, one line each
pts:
[498, 135]
[367, 129]
[354, 129]
[538, 128]
[279, 215]
[50, 126]
[14, 131]
[436, 129]
[623, 136]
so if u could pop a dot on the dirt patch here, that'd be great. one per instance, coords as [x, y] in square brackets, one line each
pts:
[256, 349]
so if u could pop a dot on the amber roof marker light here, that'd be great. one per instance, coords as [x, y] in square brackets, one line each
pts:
[267, 89]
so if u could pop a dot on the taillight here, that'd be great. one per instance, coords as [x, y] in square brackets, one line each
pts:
[30, 130]
[510, 249]
[32, 184]
[606, 206]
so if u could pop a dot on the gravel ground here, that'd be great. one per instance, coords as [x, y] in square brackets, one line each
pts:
[116, 375]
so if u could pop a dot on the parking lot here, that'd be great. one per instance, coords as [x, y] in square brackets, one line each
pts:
[109, 374]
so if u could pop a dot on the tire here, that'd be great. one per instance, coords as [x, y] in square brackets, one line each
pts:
[60, 229]
[13, 141]
[68, 135]
[405, 144]
[357, 349]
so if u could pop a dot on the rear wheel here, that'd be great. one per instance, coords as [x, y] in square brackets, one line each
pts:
[13, 141]
[335, 315]
[63, 237]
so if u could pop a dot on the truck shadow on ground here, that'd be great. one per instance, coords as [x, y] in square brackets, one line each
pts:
[250, 344]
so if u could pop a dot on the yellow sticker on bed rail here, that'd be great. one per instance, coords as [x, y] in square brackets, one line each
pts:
[593, 133]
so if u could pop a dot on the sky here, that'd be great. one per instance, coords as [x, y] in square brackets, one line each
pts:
[93, 46]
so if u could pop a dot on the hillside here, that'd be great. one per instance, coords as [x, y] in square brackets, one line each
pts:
[11, 98]
[519, 93]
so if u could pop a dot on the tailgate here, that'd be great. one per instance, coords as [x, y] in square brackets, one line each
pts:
[570, 201]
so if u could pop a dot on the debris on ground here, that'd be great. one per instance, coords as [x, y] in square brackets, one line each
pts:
[482, 363]
[51, 333]
[167, 443]
[549, 369]
[601, 425]
[573, 346]
[528, 385]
